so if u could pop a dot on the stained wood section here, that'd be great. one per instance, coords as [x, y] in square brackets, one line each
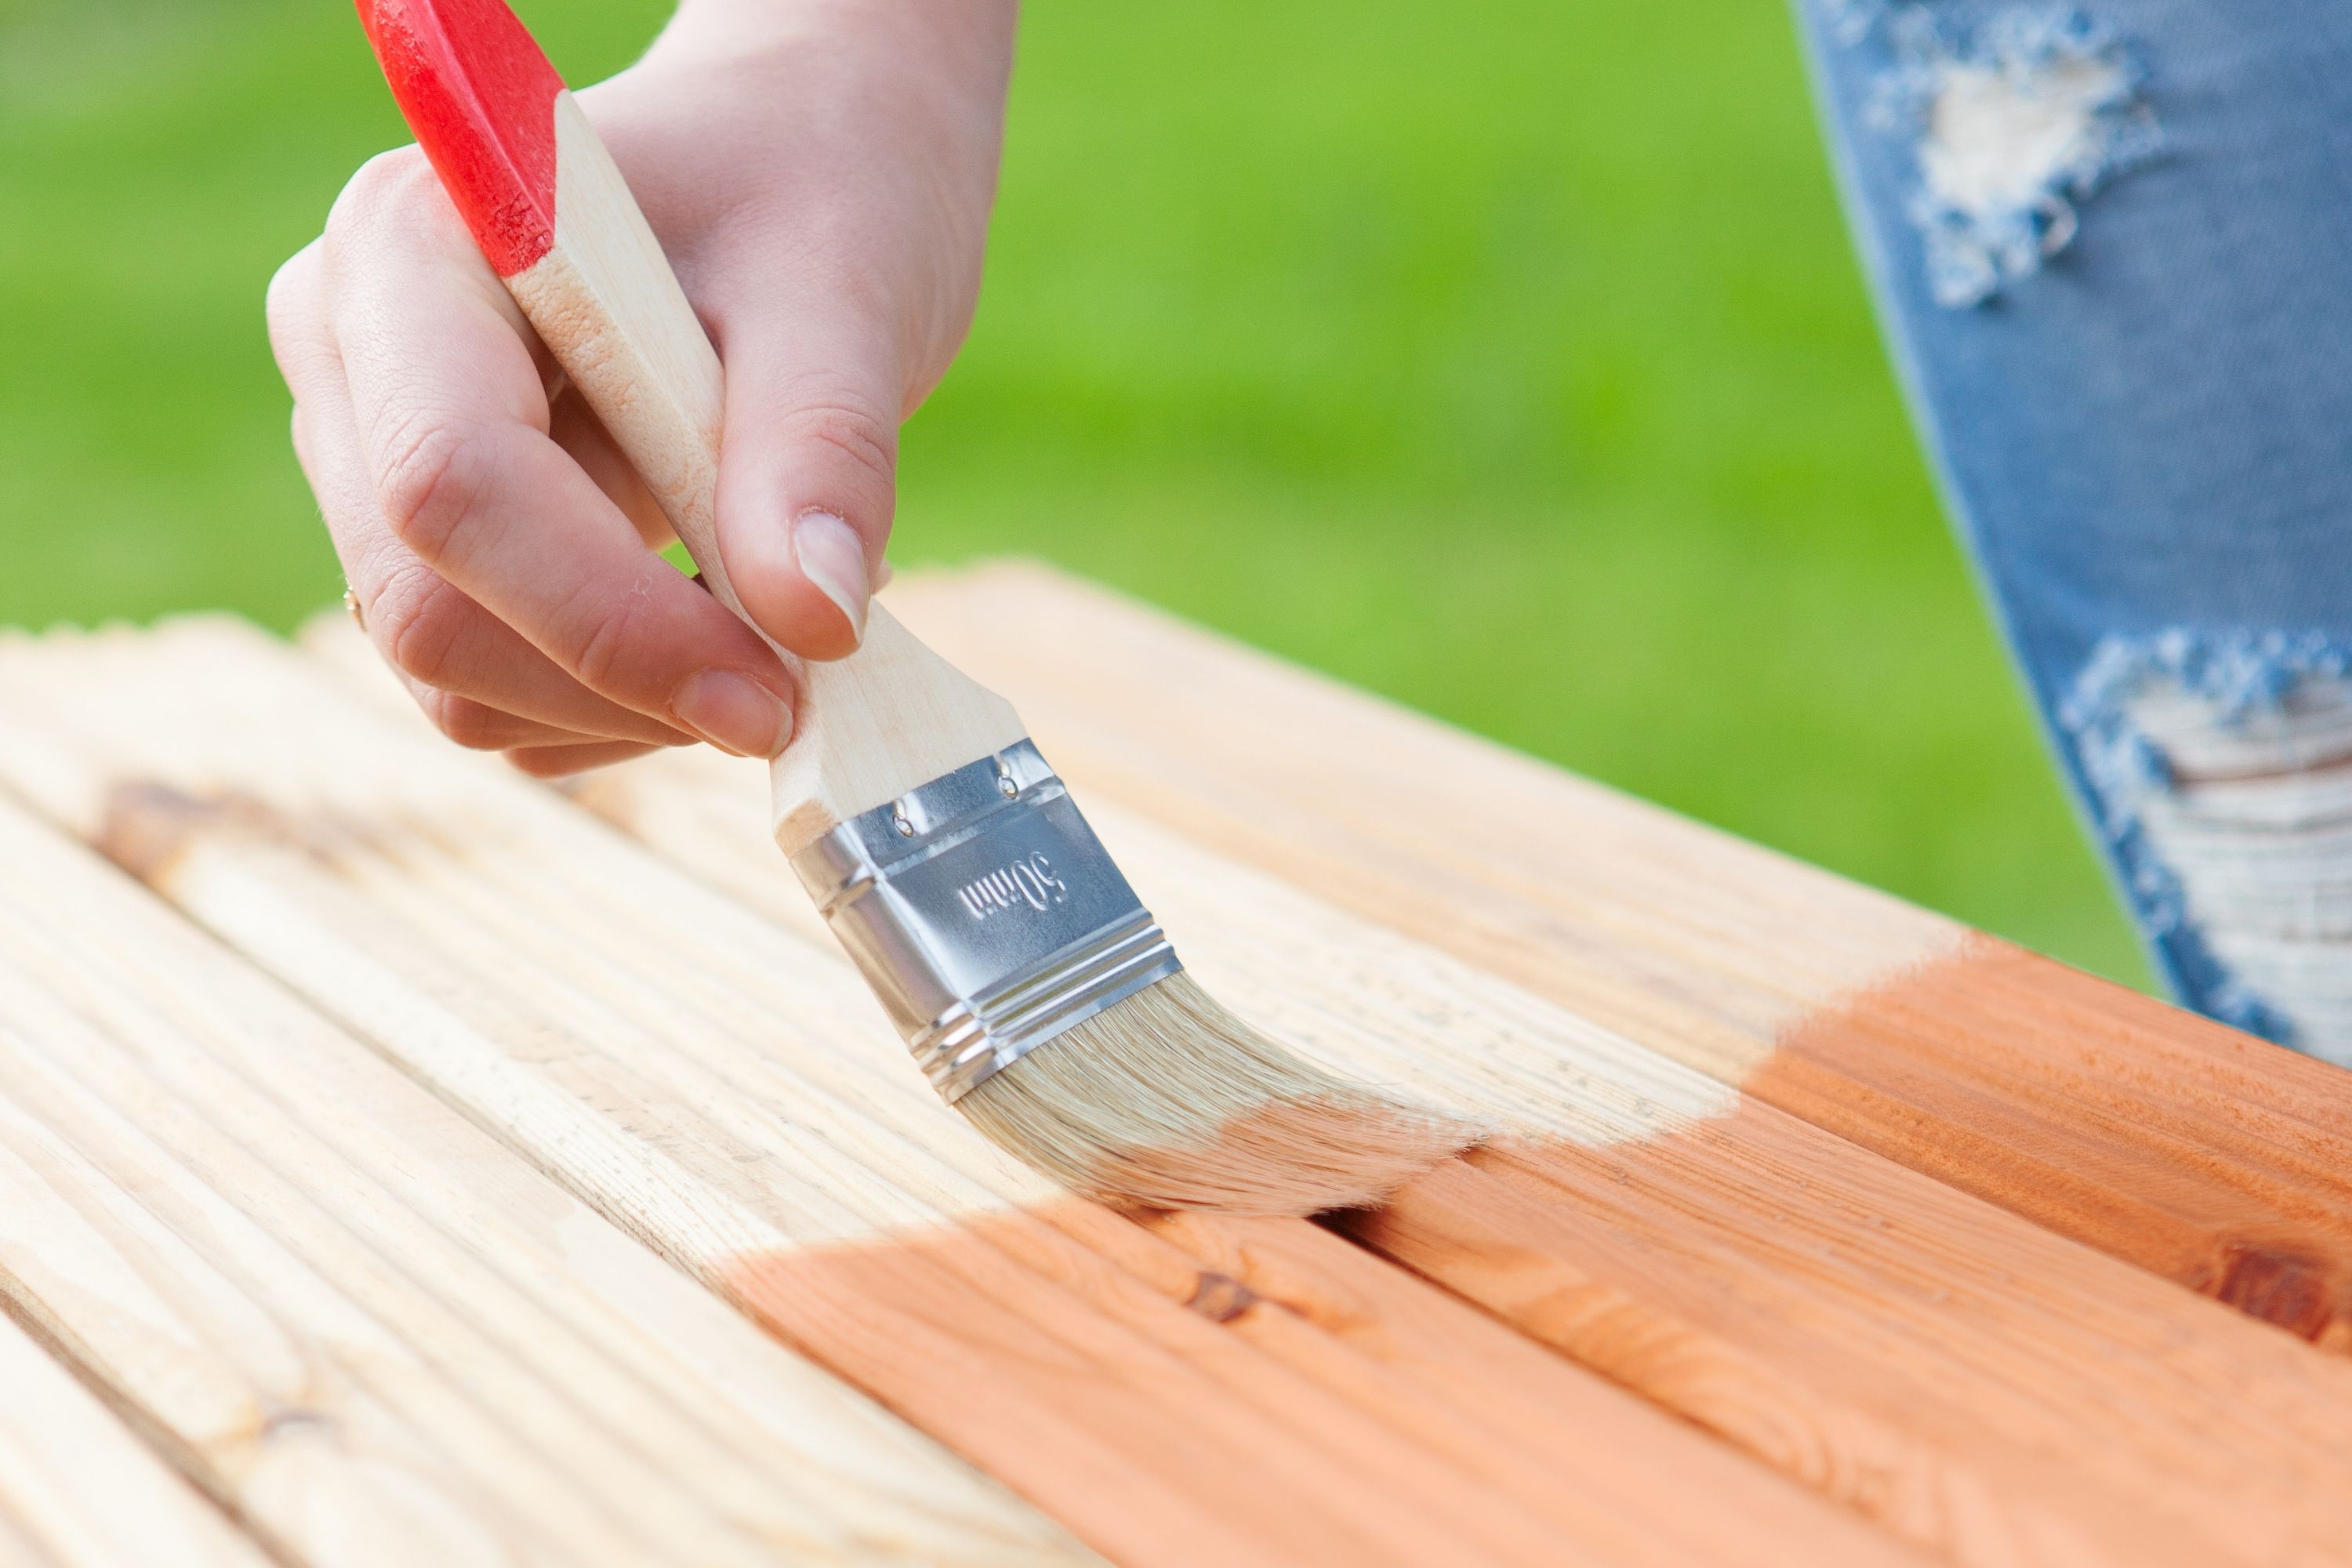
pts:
[1976, 1384]
[2099, 1112]
[372, 1330]
[1170, 1394]
[2214, 1159]
[78, 1490]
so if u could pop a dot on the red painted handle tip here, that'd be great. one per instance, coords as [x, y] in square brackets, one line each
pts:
[481, 96]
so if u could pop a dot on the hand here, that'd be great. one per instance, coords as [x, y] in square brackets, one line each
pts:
[820, 174]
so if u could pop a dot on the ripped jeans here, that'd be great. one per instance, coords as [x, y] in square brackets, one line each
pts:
[2112, 254]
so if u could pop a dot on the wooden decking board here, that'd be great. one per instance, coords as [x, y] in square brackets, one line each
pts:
[2132, 1057]
[751, 974]
[1873, 1449]
[1614, 909]
[18, 1548]
[1281, 1263]
[1177, 1277]
[725, 1155]
[80, 1489]
[657, 1036]
[368, 1325]
[2247, 1207]
[1944, 1373]
[1526, 853]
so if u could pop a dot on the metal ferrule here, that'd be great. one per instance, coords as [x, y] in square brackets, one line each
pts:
[985, 914]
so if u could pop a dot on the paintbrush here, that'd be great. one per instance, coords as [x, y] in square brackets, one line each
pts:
[1035, 991]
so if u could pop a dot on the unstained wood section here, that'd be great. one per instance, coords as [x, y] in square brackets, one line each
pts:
[378, 1333]
[77, 1487]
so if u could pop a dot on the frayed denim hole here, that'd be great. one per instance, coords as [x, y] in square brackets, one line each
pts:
[2013, 122]
[2222, 766]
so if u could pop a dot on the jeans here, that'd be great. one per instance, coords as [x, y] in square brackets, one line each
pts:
[2111, 251]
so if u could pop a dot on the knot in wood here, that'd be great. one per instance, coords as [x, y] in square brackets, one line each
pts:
[1220, 1297]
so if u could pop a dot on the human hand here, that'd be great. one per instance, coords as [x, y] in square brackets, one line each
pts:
[820, 174]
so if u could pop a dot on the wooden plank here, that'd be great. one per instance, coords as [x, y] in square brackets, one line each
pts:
[78, 1490]
[1963, 1376]
[18, 1550]
[2214, 1159]
[1977, 1384]
[377, 1332]
[1259, 1393]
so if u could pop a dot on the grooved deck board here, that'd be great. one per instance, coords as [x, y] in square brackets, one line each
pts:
[80, 1489]
[1980, 1386]
[1972, 1382]
[367, 1324]
[729, 1100]
[2212, 1159]
[432, 1173]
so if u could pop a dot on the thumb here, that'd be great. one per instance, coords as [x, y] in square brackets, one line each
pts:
[807, 477]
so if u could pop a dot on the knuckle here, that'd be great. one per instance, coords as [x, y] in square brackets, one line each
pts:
[382, 187]
[291, 304]
[422, 622]
[431, 481]
[607, 652]
[852, 429]
[562, 762]
[468, 723]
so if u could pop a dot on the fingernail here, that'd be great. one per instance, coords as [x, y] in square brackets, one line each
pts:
[733, 712]
[831, 557]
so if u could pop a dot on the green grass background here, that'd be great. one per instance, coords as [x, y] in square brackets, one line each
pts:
[1503, 356]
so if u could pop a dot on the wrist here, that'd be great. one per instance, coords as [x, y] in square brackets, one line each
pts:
[970, 41]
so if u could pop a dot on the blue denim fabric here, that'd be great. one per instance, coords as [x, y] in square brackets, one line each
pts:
[2136, 391]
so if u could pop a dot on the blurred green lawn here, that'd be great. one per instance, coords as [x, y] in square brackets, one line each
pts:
[1503, 356]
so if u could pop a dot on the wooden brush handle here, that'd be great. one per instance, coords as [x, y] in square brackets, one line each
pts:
[556, 220]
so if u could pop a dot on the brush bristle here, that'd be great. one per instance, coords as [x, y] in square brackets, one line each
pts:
[1167, 1101]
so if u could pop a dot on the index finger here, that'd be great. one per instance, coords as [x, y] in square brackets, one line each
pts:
[454, 422]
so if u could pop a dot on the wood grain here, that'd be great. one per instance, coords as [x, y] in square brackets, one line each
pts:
[736, 1101]
[1981, 1386]
[2212, 1159]
[377, 1333]
[2096, 1112]
[78, 1490]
